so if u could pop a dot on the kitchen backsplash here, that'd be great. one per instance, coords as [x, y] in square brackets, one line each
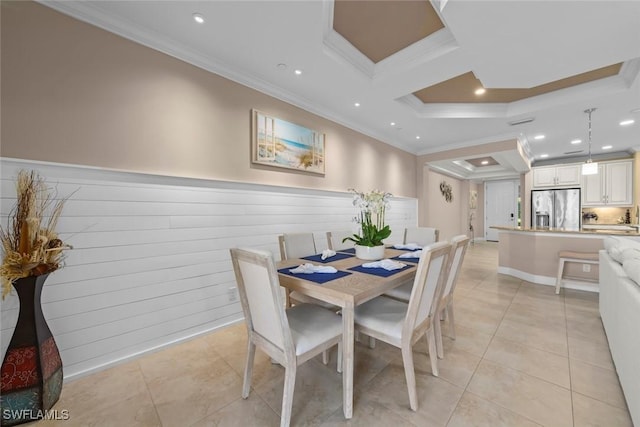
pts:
[607, 215]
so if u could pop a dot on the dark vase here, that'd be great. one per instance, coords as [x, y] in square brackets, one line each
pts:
[32, 368]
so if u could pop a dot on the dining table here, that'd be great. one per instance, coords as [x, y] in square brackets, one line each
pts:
[350, 286]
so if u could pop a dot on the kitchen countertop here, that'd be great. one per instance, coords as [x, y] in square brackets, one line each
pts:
[557, 230]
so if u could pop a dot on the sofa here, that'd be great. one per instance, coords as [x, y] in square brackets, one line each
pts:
[620, 313]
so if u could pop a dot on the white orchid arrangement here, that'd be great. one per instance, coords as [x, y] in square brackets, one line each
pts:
[372, 206]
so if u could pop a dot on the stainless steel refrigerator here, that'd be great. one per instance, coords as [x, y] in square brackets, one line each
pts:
[556, 208]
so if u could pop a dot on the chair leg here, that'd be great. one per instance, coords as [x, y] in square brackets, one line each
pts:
[248, 369]
[559, 278]
[372, 342]
[339, 364]
[452, 323]
[287, 395]
[431, 343]
[437, 329]
[325, 357]
[409, 373]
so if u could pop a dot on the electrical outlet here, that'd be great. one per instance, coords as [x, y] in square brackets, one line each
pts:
[233, 296]
[586, 268]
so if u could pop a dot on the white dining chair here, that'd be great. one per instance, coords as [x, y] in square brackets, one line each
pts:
[298, 245]
[459, 245]
[403, 324]
[334, 240]
[291, 336]
[421, 235]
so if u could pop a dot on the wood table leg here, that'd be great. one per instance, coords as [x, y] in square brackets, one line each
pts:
[347, 361]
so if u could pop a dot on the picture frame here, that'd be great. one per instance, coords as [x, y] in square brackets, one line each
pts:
[282, 144]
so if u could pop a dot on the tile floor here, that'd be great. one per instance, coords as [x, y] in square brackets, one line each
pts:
[523, 357]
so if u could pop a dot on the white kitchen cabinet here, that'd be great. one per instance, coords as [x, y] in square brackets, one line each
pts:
[554, 176]
[612, 186]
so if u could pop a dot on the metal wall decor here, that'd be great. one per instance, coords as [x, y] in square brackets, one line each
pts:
[446, 191]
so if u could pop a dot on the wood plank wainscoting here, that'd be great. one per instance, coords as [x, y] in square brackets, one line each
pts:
[150, 264]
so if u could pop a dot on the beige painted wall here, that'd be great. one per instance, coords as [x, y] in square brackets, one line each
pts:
[448, 217]
[73, 93]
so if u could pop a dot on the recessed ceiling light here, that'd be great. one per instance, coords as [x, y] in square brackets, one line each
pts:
[281, 66]
[544, 156]
[198, 18]
[393, 123]
[576, 141]
[417, 136]
[538, 137]
[627, 122]
[607, 147]
[484, 162]
[357, 104]
[298, 72]
[635, 110]
[480, 91]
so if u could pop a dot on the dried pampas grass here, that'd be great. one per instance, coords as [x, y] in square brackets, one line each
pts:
[30, 243]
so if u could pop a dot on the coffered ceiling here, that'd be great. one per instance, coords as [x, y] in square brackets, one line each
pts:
[406, 72]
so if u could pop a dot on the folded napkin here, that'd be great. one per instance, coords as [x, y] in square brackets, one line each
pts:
[414, 254]
[327, 253]
[387, 264]
[310, 269]
[410, 246]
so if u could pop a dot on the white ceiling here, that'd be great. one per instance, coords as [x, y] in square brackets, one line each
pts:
[505, 43]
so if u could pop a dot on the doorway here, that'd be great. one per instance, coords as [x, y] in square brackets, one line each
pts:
[500, 206]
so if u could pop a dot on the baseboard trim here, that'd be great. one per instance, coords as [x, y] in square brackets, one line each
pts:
[549, 281]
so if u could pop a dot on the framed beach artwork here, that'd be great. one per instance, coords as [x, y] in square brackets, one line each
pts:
[278, 143]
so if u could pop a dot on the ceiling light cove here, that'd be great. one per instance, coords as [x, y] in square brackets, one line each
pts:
[485, 162]
[627, 122]
[538, 137]
[198, 18]
[576, 141]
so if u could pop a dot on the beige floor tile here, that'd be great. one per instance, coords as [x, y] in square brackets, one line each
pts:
[467, 339]
[588, 412]
[437, 398]
[473, 411]
[553, 319]
[97, 392]
[478, 315]
[499, 286]
[317, 393]
[535, 399]
[590, 352]
[586, 328]
[598, 383]
[456, 367]
[551, 340]
[541, 364]
[189, 395]
[499, 299]
[367, 413]
[250, 412]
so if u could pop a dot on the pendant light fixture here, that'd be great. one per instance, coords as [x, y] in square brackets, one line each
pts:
[589, 167]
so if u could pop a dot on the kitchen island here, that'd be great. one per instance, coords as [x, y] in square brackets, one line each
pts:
[531, 254]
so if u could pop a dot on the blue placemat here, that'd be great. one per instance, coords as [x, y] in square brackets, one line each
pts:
[318, 258]
[379, 271]
[414, 260]
[408, 250]
[315, 277]
[348, 251]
